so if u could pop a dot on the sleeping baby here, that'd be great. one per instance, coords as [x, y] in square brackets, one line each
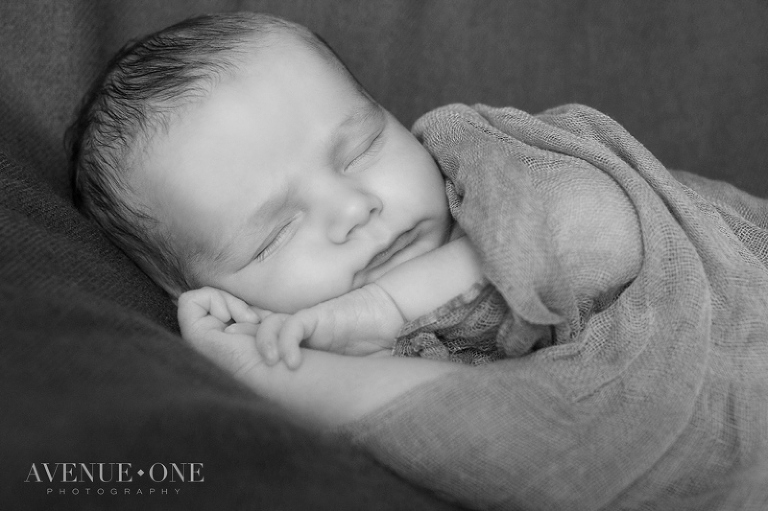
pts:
[284, 195]
[308, 236]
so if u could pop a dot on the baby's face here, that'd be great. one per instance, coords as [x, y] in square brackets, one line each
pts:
[295, 186]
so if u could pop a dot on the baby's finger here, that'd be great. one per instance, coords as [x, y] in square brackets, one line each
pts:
[194, 312]
[295, 329]
[238, 309]
[242, 329]
[190, 308]
[266, 338]
[217, 305]
[261, 313]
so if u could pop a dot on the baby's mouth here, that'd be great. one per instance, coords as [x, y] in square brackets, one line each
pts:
[399, 244]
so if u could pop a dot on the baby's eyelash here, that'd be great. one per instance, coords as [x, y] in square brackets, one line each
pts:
[370, 149]
[274, 244]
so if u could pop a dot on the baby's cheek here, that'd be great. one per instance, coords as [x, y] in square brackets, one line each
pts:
[306, 286]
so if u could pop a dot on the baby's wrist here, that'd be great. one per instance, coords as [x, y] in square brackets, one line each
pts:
[384, 296]
[423, 283]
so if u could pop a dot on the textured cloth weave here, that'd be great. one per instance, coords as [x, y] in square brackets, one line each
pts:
[463, 330]
[654, 399]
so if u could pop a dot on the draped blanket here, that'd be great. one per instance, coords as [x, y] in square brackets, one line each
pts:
[657, 399]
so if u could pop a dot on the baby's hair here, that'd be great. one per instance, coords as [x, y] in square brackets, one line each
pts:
[144, 85]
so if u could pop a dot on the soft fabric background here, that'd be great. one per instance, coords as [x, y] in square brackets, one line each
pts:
[90, 369]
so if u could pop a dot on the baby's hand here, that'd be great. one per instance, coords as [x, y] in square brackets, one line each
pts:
[204, 315]
[207, 309]
[362, 322]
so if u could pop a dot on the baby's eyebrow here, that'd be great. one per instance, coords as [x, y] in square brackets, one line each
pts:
[361, 115]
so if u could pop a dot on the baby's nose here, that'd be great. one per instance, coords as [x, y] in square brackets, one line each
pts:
[351, 210]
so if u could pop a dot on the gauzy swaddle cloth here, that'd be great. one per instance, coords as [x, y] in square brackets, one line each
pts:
[656, 399]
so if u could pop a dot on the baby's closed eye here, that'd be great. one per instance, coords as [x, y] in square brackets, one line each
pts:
[367, 150]
[273, 244]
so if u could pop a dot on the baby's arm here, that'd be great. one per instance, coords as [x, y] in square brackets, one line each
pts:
[326, 391]
[364, 321]
[367, 320]
[424, 283]
[330, 390]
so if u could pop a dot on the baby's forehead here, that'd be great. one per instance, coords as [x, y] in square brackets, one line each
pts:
[283, 46]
